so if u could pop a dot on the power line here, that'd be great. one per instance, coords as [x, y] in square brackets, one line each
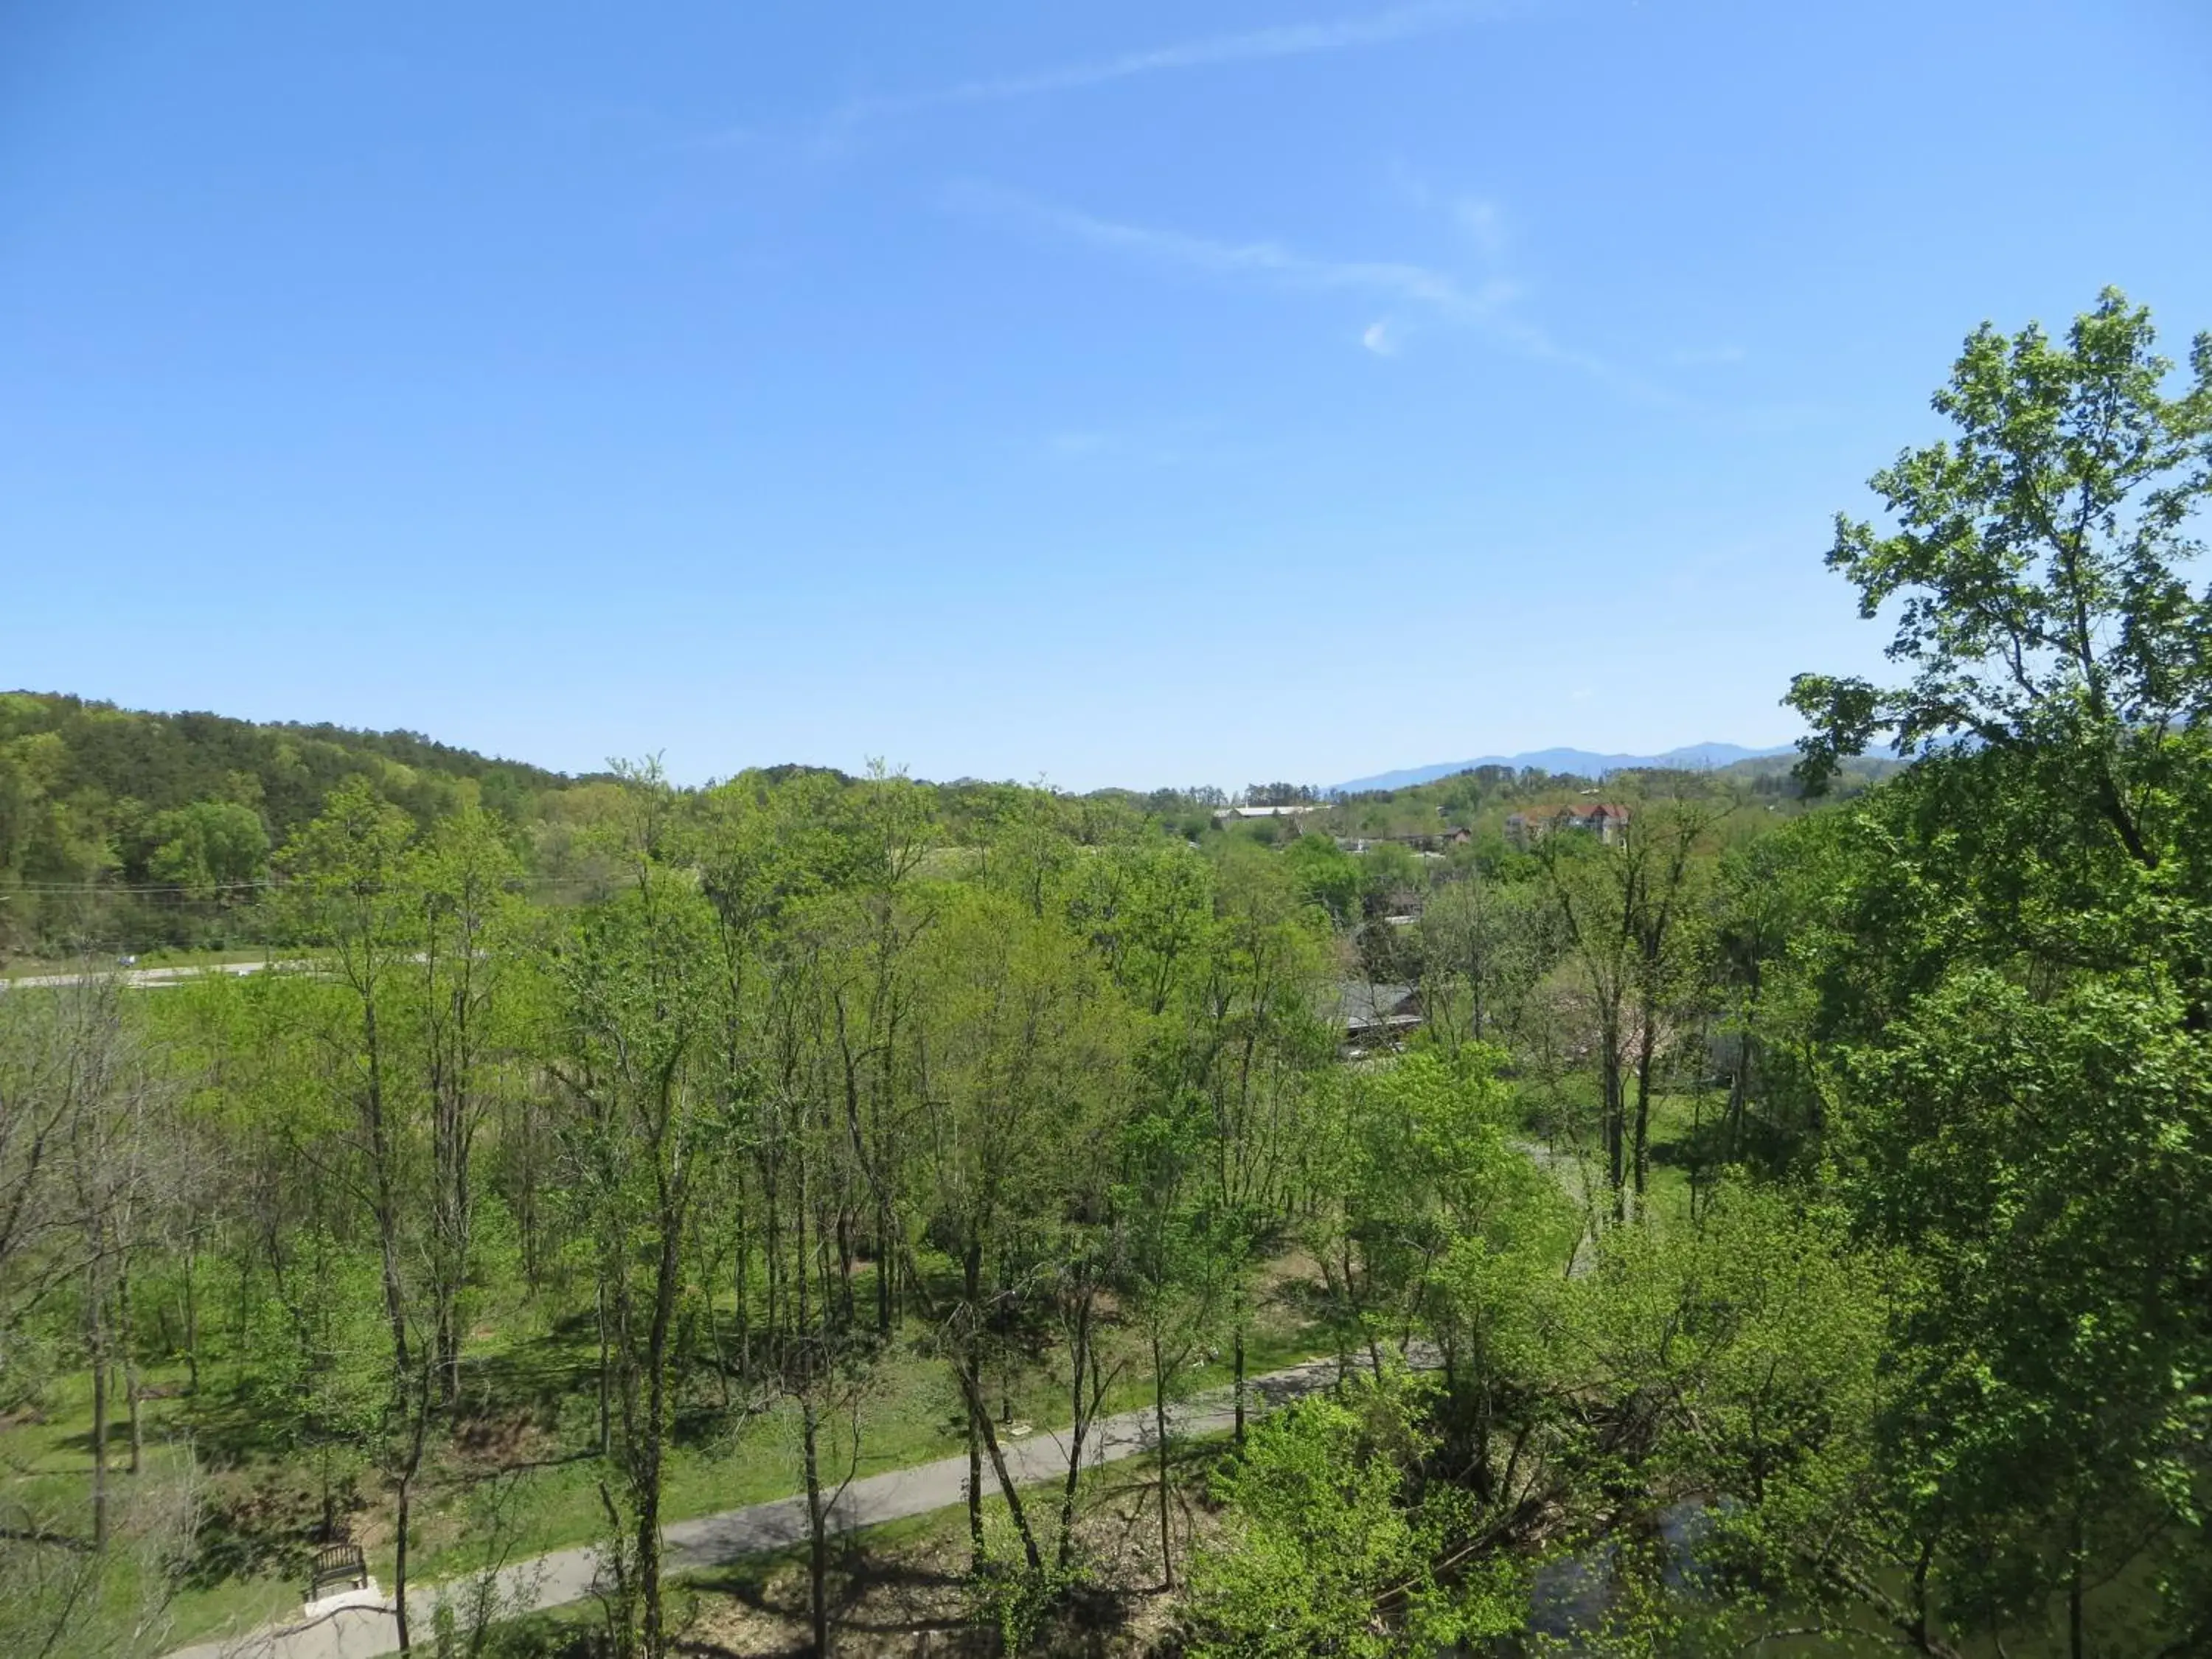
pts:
[123, 887]
[228, 886]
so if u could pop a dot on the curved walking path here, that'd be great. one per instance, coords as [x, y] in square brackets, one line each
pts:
[714, 1541]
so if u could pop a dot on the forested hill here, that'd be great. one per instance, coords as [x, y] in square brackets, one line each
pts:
[92, 796]
[124, 830]
[72, 747]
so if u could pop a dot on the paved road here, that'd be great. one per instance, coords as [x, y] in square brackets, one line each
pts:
[138, 976]
[565, 1576]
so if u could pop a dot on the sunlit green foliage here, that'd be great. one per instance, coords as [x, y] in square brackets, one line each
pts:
[1756, 1223]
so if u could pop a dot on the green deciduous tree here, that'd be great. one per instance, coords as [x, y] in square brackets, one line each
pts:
[638, 990]
[1333, 1538]
[208, 848]
[469, 927]
[1024, 1061]
[2000, 984]
[2039, 563]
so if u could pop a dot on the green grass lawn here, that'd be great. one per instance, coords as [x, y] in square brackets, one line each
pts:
[207, 958]
[531, 1402]
[1681, 1127]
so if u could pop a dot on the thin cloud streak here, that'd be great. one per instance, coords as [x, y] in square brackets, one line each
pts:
[1483, 307]
[1705, 357]
[1285, 40]
[1389, 279]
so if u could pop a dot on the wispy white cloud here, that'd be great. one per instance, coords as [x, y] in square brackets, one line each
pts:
[1378, 338]
[1484, 224]
[1485, 305]
[1285, 40]
[1413, 284]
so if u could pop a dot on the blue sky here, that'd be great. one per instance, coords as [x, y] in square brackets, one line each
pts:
[1131, 393]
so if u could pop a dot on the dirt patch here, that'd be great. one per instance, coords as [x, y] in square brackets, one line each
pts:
[266, 1524]
[907, 1592]
[1294, 1267]
[503, 1440]
[899, 1600]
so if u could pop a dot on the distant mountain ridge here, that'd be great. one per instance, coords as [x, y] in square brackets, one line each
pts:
[1579, 763]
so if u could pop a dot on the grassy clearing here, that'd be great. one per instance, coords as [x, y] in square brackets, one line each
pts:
[529, 1423]
[207, 958]
[1682, 1137]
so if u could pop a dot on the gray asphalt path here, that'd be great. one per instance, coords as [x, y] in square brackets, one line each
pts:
[139, 977]
[714, 1540]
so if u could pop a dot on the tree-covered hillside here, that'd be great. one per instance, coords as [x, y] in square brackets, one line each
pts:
[96, 801]
[123, 831]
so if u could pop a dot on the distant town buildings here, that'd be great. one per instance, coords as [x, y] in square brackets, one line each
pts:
[1369, 1016]
[1429, 846]
[1608, 823]
[1226, 815]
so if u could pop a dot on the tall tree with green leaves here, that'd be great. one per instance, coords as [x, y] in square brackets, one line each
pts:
[464, 874]
[1024, 1050]
[352, 876]
[639, 1002]
[2005, 982]
[2040, 565]
[1627, 915]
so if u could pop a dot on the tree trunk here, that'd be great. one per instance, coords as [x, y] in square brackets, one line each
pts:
[1237, 1342]
[964, 1372]
[714, 1326]
[667, 1277]
[405, 1509]
[980, 1420]
[743, 1279]
[1615, 1110]
[886, 1253]
[607, 1403]
[123, 1344]
[772, 1228]
[380, 1165]
[192, 1325]
[975, 1552]
[1078, 1358]
[1643, 1158]
[1739, 1093]
[131, 1403]
[817, 1526]
[845, 1310]
[1160, 1443]
[448, 1353]
[99, 1444]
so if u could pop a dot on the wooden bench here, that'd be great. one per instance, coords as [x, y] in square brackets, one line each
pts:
[338, 1565]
